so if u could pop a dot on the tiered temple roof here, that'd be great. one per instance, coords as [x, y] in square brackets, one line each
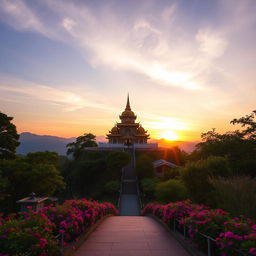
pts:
[128, 132]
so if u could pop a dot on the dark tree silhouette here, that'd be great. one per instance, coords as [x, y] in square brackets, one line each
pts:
[8, 137]
[249, 123]
[76, 148]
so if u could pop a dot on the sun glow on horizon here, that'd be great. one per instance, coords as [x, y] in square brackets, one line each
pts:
[169, 135]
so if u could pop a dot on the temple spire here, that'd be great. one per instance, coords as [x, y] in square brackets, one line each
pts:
[128, 103]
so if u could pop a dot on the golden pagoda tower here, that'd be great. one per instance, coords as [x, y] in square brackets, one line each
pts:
[128, 132]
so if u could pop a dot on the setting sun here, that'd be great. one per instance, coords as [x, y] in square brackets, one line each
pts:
[169, 135]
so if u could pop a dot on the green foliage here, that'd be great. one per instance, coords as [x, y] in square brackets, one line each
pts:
[3, 186]
[171, 191]
[112, 187]
[44, 157]
[31, 235]
[8, 137]
[20, 177]
[236, 195]
[84, 176]
[196, 176]
[173, 154]
[249, 123]
[88, 175]
[238, 146]
[117, 159]
[144, 167]
[171, 173]
[76, 148]
[148, 187]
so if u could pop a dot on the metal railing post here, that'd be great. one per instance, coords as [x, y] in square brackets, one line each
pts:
[184, 230]
[62, 243]
[208, 247]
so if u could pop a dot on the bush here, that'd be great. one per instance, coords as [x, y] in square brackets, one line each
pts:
[171, 173]
[112, 187]
[236, 195]
[171, 191]
[231, 234]
[196, 176]
[148, 187]
[33, 233]
[144, 167]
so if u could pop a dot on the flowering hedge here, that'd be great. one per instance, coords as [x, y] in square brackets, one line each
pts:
[34, 233]
[231, 234]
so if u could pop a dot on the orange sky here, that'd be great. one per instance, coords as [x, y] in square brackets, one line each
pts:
[67, 66]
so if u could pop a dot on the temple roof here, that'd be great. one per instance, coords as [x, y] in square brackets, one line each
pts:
[128, 103]
[128, 112]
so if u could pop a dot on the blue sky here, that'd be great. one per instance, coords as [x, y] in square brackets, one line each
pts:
[66, 66]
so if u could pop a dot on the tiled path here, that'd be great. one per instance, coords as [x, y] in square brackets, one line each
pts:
[130, 236]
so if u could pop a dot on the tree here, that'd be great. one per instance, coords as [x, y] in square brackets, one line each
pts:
[76, 148]
[171, 191]
[249, 123]
[144, 167]
[196, 175]
[238, 146]
[44, 157]
[20, 177]
[8, 137]
[117, 159]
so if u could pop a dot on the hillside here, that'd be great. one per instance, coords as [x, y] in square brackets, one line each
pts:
[30, 142]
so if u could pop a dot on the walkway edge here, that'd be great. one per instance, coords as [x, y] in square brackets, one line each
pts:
[192, 250]
[73, 247]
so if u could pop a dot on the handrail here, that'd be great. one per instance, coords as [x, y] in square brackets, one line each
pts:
[121, 189]
[137, 181]
[209, 239]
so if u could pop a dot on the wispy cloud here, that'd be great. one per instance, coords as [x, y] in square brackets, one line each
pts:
[141, 44]
[68, 101]
[210, 43]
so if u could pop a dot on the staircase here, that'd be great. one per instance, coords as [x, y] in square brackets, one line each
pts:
[129, 194]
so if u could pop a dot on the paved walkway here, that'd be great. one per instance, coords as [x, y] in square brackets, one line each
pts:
[130, 236]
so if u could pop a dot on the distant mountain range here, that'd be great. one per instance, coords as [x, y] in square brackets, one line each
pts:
[30, 142]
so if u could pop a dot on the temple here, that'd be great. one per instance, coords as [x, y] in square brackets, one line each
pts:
[127, 132]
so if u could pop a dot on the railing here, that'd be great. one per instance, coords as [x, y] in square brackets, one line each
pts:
[121, 189]
[211, 242]
[60, 239]
[137, 181]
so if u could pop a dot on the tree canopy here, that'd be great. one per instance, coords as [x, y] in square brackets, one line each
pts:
[76, 148]
[238, 146]
[21, 176]
[8, 137]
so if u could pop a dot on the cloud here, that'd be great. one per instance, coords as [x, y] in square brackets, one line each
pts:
[68, 101]
[159, 48]
[211, 43]
[68, 23]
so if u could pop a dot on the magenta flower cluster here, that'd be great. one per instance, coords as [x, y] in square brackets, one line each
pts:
[231, 234]
[35, 232]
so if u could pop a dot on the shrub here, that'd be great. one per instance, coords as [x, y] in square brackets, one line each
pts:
[171, 191]
[196, 176]
[171, 173]
[236, 195]
[33, 233]
[148, 187]
[144, 167]
[231, 234]
[112, 187]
